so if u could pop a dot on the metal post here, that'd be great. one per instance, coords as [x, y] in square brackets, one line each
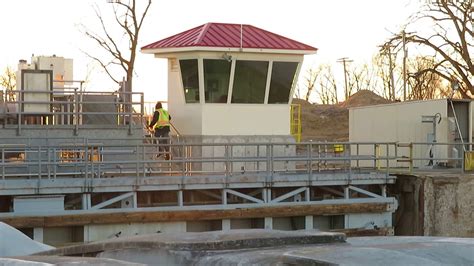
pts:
[3, 163]
[39, 162]
[411, 158]
[20, 107]
[357, 149]
[224, 196]
[387, 160]
[137, 163]
[319, 158]
[55, 163]
[346, 192]
[180, 198]
[350, 160]
[310, 162]
[268, 223]
[76, 113]
[309, 222]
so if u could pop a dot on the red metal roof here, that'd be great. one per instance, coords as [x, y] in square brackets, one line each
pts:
[229, 36]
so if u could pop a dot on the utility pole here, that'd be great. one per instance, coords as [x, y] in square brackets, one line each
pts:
[345, 60]
[405, 52]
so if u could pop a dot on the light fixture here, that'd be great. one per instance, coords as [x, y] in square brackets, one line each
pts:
[227, 57]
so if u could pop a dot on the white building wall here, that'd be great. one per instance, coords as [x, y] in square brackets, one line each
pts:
[246, 119]
[399, 122]
[185, 117]
[225, 119]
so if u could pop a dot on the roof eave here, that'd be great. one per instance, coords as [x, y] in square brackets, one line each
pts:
[158, 51]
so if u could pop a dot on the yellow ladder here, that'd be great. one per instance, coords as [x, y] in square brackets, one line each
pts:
[295, 121]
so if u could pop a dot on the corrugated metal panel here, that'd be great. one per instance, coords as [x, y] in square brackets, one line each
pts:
[228, 35]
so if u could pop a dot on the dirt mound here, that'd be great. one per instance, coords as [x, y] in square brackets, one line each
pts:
[364, 98]
[330, 122]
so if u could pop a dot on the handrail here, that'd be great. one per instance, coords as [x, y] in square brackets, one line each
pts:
[66, 107]
[96, 158]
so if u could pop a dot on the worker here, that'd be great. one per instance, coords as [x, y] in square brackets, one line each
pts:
[161, 124]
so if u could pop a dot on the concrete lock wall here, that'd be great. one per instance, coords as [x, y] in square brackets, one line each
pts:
[449, 205]
[107, 231]
[434, 205]
[219, 151]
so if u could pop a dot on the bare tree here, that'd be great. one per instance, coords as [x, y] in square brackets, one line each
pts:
[451, 40]
[129, 20]
[424, 84]
[383, 76]
[362, 77]
[310, 80]
[327, 89]
[8, 82]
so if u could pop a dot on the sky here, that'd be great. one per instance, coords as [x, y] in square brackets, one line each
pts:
[338, 28]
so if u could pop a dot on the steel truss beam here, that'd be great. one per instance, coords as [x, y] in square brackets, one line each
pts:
[116, 199]
[365, 192]
[289, 195]
[242, 195]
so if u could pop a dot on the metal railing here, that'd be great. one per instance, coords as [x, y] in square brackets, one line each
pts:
[93, 159]
[70, 107]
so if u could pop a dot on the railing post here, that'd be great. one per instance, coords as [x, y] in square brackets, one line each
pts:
[55, 163]
[377, 156]
[310, 162]
[184, 168]
[3, 163]
[325, 155]
[39, 162]
[358, 153]
[267, 153]
[350, 159]
[20, 107]
[48, 166]
[86, 164]
[144, 163]
[411, 157]
[226, 155]
[137, 162]
[387, 160]
[76, 113]
[319, 157]
[271, 163]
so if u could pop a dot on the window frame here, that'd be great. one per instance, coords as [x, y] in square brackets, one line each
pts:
[231, 76]
[183, 95]
[234, 66]
[294, 81]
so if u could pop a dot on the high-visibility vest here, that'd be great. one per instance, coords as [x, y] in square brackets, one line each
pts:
[163, 118]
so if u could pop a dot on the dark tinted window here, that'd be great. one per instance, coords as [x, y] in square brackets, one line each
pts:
[190, 76]
[216, 80]
[283, 74]
[249, 82]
